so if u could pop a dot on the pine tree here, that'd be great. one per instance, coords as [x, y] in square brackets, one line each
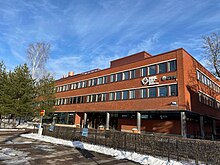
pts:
[21, 92]
[4, 110]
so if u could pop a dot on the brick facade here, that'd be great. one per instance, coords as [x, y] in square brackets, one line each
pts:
[197, 95]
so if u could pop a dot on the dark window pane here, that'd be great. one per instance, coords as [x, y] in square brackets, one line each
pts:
[126, 75]
[104, 96]
[153, 92]
[99, 97]
[71, 118]
[125, 95]
[163, 91]
[74, 100]
[172, 65]
[173, 90]
[119, 76]
[118, 95]
[163, 68]
[152, 69]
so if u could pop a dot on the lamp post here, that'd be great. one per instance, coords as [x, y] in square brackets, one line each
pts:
[40, 130]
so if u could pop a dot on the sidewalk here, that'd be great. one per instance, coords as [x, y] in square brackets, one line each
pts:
[22, 151]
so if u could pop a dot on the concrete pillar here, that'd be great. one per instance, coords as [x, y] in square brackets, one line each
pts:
[138, 121]
[183, 124]
[107, 120]
[201, 121]
[85, 120]
[214, 128]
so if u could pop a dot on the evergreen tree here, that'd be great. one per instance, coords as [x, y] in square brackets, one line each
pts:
[21, 92]
[4, 110]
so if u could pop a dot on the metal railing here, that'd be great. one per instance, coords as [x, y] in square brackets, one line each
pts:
[170, 147]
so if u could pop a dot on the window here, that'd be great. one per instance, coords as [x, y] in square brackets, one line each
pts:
[83, 84]
[152, 70]
[94, 81]
[93, 98]
[74, 86]
[132, 74]
[99, 97]
[118, 95]
[112, 78]
[89, 82]
[119, 76]
[162, 68]
[143, 71]
[71, 100]
[79, 85]
[163, 91]
[100, 80]
[172, 65]
[104, 96]
[78, 99]
[131, 94]
[125, 75]
[152, 92]
[125, 95]
[88, 98]
[74, 100]
[173, 90]
[143, 93]
[112, 96]
[105, 79]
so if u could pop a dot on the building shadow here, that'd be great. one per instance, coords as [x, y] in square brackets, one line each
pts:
[11, 138]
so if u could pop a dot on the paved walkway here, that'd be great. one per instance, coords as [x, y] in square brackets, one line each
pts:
[16, 150]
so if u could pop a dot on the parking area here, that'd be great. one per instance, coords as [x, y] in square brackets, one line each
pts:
[22, 151]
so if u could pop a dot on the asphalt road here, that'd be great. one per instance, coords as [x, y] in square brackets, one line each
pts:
[16, 150]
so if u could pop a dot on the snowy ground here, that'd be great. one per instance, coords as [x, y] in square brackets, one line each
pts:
[142, 159]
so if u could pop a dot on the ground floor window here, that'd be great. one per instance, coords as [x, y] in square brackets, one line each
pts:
[65, 118]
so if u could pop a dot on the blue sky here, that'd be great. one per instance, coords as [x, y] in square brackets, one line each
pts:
[87, 34]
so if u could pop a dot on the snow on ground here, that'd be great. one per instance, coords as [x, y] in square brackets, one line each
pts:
[10, 129]
[12, 156]
[142, 159]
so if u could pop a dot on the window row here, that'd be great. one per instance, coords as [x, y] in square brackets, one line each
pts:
[207, 81]
[126, 75]
[209, 101]
[164, 67]
[161, 91]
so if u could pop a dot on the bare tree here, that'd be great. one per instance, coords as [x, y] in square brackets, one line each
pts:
[37, 55]
[211, 45]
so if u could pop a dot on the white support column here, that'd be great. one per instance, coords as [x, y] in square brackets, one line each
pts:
[201, 121]
[139, 121]
[183, 124]
[85, 120]
[107, 120]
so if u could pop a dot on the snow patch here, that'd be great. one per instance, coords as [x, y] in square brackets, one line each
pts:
[11, 130]
[11, 156]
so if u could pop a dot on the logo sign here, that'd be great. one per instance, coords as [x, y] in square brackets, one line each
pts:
[149, 80]
[42, 112]
[85, 132]
[168, 78]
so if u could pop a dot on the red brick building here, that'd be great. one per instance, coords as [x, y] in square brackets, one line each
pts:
[165, 93]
